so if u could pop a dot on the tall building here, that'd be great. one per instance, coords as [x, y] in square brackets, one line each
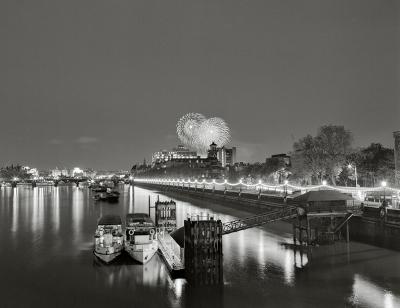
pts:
[396, 136]
[227, 157]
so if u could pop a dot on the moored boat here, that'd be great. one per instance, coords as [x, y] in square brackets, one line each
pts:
[109, 195]
[140, 237]
[108, 238]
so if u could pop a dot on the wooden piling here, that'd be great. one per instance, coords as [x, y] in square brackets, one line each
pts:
[203, 252]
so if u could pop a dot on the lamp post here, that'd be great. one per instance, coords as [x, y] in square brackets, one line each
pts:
[350, 166]
[384, 184]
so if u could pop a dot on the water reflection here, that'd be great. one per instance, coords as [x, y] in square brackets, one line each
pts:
[56, 209]
[77, 213]
[368, 294]
[15, 211]
[50, 231]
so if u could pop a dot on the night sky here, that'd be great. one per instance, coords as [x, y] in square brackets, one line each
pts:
[102, 83]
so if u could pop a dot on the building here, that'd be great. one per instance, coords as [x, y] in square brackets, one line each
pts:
[178, 153]
[283, 158]
[227, 157]
[396, 136]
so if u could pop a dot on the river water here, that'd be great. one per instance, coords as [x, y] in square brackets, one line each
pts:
[46, 237]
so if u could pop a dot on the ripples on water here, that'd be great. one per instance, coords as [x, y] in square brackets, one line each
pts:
[47, 240]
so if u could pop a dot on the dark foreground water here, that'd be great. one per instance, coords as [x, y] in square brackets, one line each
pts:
[46, 240]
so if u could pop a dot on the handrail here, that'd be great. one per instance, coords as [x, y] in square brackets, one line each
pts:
[258, 220]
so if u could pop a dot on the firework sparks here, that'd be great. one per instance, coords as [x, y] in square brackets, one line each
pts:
[197, 132]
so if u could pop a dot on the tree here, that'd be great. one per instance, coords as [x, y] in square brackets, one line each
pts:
[8, 173]
[335, 144]
[321, 156]
[375, 163]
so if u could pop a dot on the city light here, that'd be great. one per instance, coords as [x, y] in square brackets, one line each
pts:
[278, 187]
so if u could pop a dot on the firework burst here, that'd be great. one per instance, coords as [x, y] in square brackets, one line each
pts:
[197, 132]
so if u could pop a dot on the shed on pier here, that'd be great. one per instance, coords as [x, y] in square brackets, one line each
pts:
[324, 201]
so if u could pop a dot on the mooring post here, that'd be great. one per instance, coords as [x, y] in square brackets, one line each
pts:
[149, 205]
[347, 232]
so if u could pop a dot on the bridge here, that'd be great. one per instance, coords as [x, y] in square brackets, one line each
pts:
[55, 181]
[258, 220]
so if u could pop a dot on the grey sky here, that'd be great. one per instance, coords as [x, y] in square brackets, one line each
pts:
[102, 83]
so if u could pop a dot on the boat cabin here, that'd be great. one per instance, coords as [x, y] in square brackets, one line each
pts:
[140, 229]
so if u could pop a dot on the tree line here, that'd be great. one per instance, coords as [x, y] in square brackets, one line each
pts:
[328, 156]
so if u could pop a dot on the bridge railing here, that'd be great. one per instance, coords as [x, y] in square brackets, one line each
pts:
[258, 220]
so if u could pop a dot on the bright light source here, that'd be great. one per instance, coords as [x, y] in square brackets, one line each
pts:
[349, 166]
[286, 182]
[383, 184]
[259, 182]
[324, 182]
[15, 179]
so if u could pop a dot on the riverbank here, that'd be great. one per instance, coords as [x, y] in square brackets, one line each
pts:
[362, 229]
[227, 207]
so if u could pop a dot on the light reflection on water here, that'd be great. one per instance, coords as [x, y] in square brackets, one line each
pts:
[48, 232]
[368, 294]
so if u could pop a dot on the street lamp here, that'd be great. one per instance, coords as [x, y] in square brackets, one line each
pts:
[350, 166]
[384, 184]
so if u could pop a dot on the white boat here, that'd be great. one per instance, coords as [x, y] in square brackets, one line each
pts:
[140, 237]
[108, 238]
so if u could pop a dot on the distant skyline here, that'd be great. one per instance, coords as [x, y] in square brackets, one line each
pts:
[101, 84]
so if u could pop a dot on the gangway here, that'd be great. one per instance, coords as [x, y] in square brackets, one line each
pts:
[258, 220]
[343, 222]
[171, 252]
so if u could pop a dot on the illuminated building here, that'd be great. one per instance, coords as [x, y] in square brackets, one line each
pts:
[178, 153]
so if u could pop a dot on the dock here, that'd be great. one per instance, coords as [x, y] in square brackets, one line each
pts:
[171, 253]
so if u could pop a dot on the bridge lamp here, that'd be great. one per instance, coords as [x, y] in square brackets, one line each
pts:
[324, 182]
[384, 184]
[131, 178]
[15, 179]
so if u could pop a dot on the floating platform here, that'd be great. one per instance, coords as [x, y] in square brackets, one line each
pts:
[171, 253]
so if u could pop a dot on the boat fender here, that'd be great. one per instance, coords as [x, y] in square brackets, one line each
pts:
[131, 232]
[152, 232]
